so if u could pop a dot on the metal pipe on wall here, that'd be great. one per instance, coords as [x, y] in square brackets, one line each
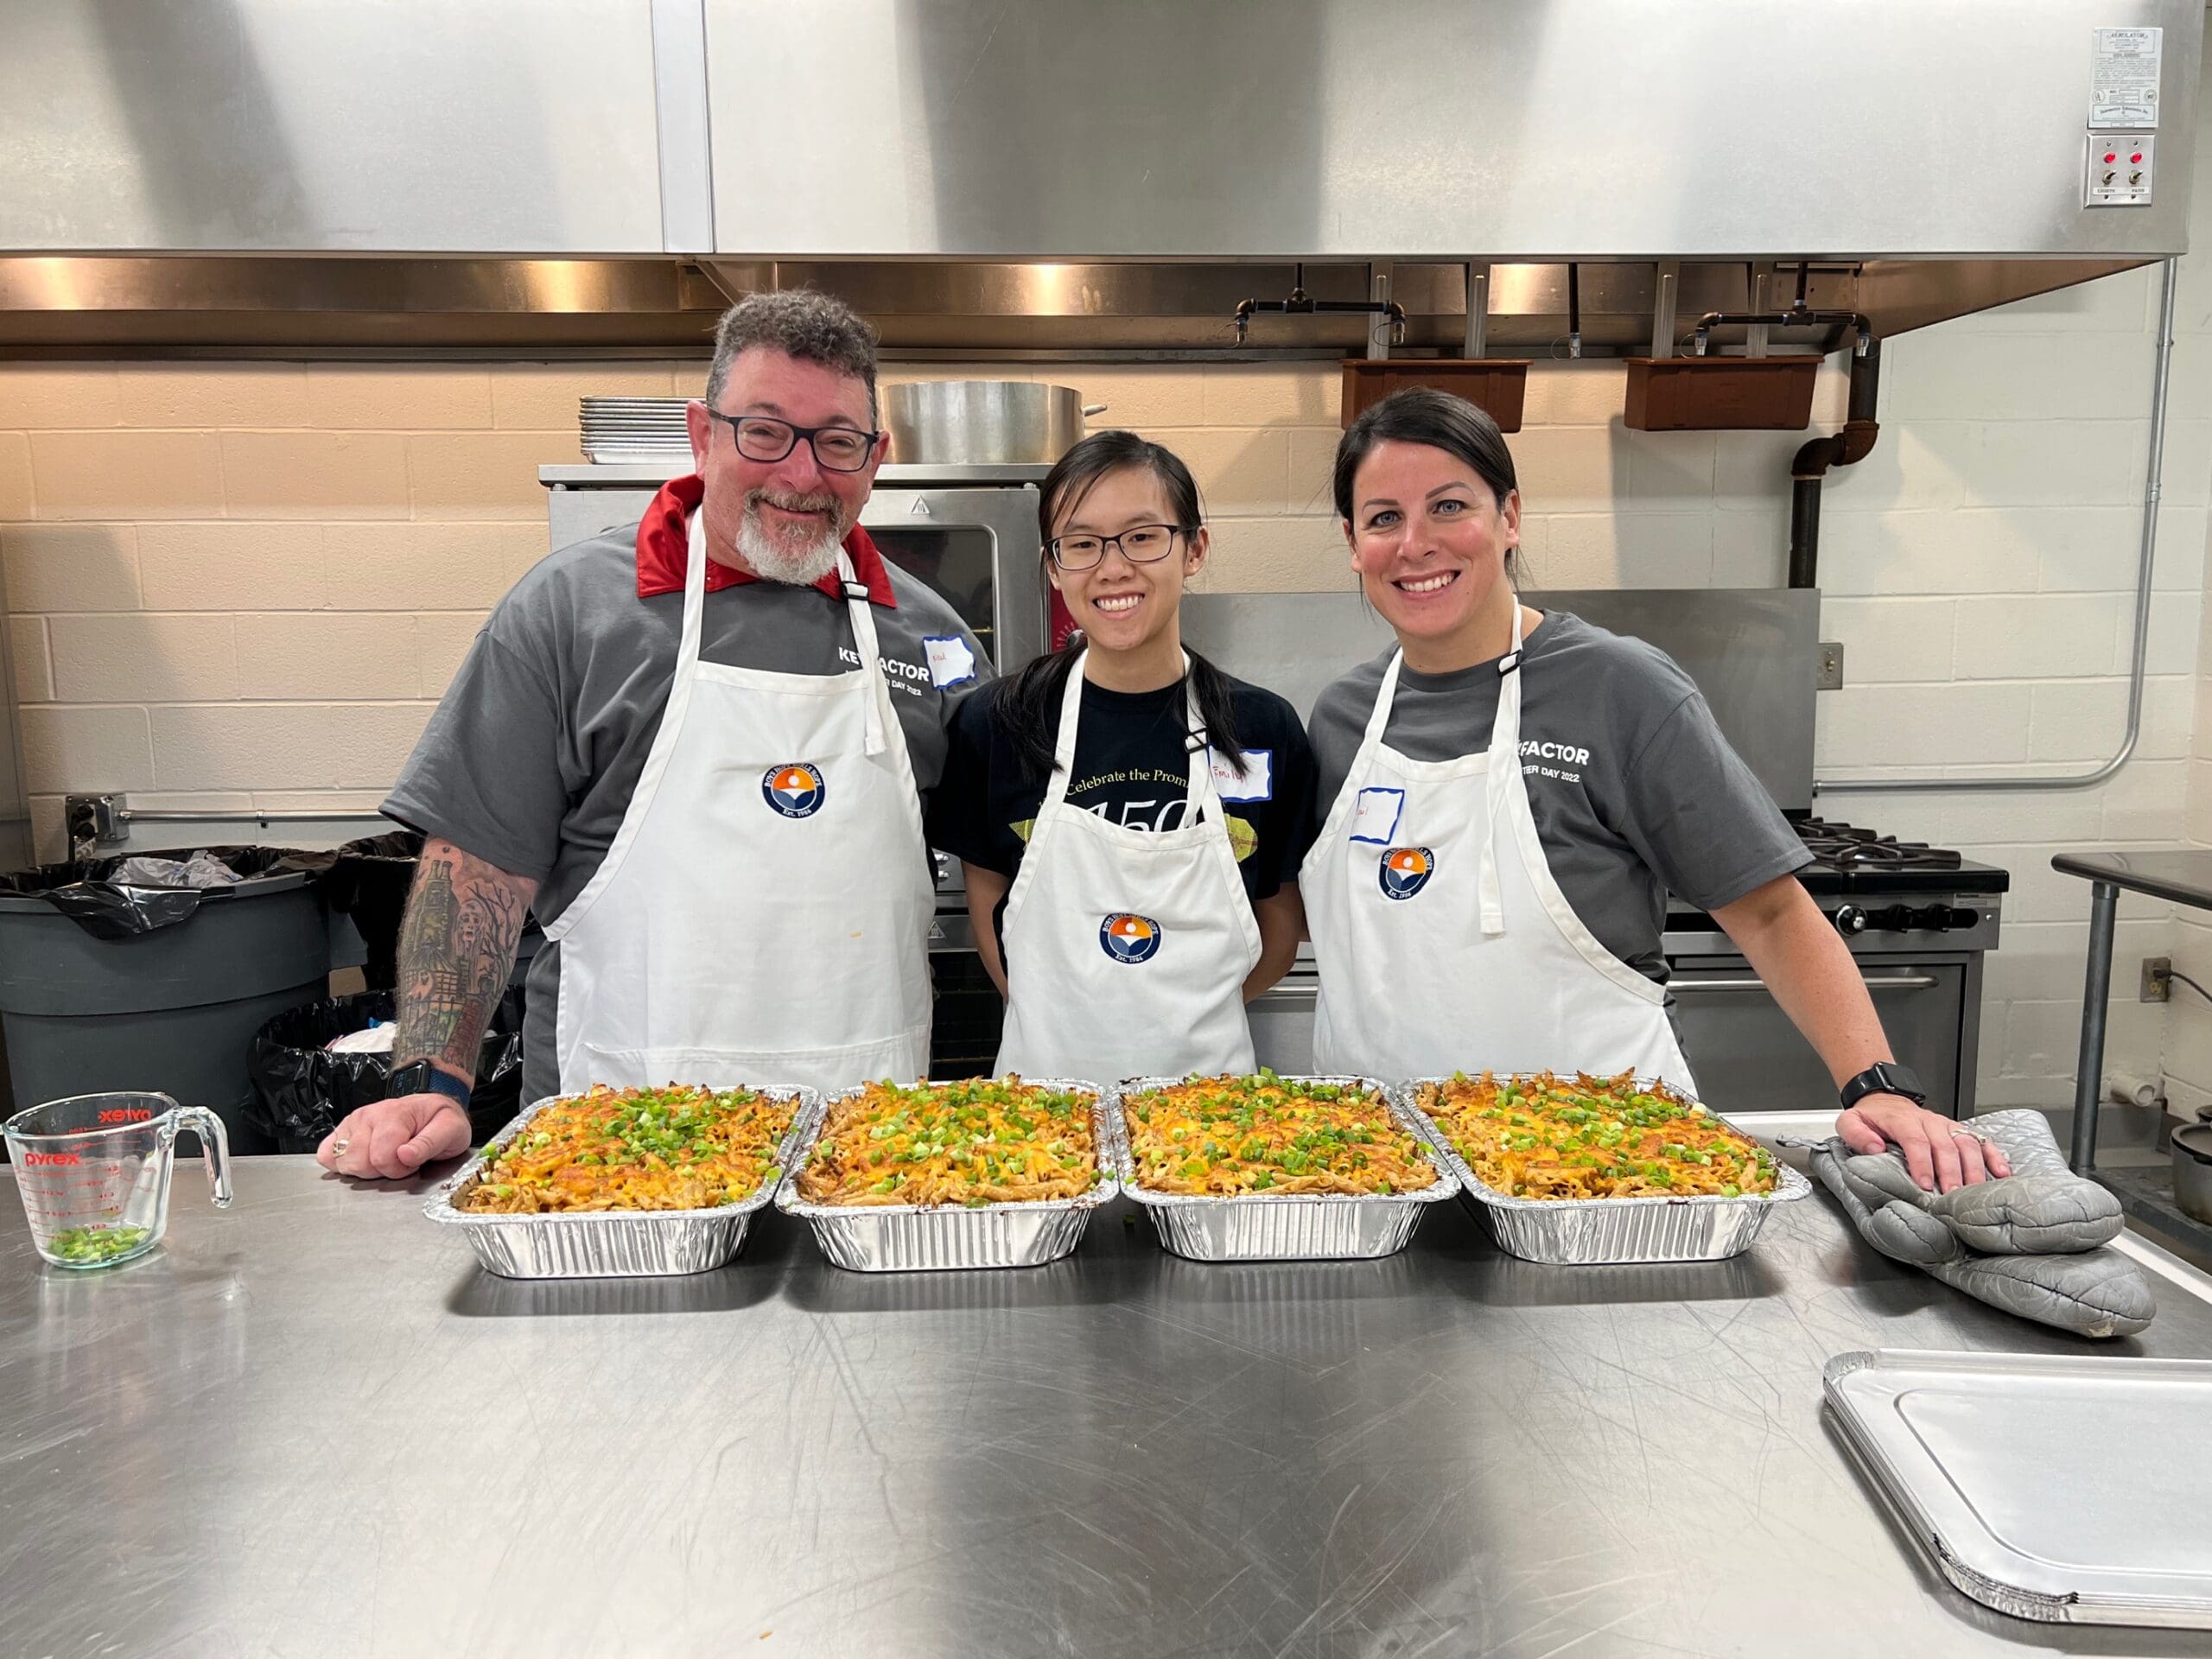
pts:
[2161, 379]
[1809, 467]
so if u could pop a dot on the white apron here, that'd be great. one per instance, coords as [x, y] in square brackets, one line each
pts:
[1126, 949]
[763, 915]
[1443, 942]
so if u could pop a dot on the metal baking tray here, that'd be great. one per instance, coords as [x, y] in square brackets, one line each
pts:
[1270, 1227]
[1592, 1232]
[2064, 1487]
[615, 1244]
[929, 1238]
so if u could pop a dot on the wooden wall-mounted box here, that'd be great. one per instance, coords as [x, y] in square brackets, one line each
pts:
[1710, 394]
[1497, 385]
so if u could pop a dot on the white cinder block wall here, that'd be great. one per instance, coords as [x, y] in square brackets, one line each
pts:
[241, 585]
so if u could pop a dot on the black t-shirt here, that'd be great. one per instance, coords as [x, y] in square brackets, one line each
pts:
[1130, 768]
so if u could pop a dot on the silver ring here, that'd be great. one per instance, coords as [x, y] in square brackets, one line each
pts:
[338, 1148]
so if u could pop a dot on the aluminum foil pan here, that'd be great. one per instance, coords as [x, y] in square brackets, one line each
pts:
[1938, 1436]
[1263, 1227]
[929, 1238]
[1588, 1232]
[609, 1244]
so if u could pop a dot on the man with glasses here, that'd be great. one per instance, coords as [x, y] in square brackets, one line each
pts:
[698, 747]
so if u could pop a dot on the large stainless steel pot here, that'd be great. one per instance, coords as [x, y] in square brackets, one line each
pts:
[2192, 1154]
[942, 422]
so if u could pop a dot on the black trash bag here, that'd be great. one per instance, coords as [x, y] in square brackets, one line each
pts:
[300, 1090]
[370, 882]
[83, 891]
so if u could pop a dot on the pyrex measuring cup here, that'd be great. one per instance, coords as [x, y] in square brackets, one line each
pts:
[93, 1171]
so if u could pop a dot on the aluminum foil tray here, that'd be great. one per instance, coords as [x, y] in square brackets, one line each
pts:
[929, 1238]
[1592, 1232]
[614, 1244]
[1262, 1227]
[2103, 1521]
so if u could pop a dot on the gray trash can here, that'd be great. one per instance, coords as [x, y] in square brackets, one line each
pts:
[173, 1008]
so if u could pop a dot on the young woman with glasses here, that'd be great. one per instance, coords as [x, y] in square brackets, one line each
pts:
[1131, 819]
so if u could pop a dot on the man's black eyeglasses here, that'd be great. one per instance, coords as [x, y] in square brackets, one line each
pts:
[764, 438]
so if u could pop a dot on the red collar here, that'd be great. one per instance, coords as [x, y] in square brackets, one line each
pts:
[663, 544]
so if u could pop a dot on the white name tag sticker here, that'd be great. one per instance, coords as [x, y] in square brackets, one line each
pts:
[1258, 783]
[951, 662]
[1374, 814]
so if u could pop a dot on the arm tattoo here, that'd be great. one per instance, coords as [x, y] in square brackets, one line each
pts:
[456, 946]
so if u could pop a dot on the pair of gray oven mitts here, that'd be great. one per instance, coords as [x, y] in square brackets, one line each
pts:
[2032, 1243]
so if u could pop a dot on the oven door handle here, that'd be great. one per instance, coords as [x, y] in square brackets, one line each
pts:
[1873, 982]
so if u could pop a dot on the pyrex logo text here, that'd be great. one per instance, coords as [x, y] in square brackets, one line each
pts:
[34, 1159]
[126, 1115]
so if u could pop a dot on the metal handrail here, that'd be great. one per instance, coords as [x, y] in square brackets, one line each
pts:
[288, 815]
[2160, 383]
[1752, 982]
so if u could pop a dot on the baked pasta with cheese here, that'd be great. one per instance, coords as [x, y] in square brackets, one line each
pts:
[1541, 1137]
[672, 1148]
[986, 1140]
[1231, 1137]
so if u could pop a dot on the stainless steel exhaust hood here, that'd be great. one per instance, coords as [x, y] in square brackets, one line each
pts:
[1066, 175]
[197, 305]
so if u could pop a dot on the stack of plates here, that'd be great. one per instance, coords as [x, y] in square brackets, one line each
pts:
[634, 428]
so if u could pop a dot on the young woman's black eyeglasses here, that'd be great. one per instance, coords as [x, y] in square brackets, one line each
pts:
[1143, 544]
[764, 438]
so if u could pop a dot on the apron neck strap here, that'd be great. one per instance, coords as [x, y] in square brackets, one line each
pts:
[1505, 778]
[1198, 789]
[1508, 665]
[1511, 661]
[1197, 748]
[857, 608]
[695, 592]
[1378, 722]
[864, 643]
[1055, 787]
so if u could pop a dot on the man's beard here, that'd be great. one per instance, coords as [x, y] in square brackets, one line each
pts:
[798, 559]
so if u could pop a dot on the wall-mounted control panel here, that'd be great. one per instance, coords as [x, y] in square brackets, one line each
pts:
[2118, 152]
[2117, 170]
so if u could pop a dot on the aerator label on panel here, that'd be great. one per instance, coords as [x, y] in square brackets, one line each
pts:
[2124, 91]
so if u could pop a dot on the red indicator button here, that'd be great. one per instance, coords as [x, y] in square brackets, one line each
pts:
[2137, 157]
[2112, 155]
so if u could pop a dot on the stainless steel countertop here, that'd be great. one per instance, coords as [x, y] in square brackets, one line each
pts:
[311, 1425]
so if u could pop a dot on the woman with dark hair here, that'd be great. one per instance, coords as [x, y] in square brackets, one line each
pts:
[1129, 818]
[1514, 794]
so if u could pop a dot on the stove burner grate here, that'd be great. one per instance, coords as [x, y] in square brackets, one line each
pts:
[1847, 847]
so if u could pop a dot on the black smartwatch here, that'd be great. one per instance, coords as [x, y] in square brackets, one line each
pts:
[421, 1077]
[1885, 1077]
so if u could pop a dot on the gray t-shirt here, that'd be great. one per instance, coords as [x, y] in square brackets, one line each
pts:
[531, 759]
[1634, 790]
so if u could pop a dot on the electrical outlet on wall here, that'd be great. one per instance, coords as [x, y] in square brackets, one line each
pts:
[2157, 982]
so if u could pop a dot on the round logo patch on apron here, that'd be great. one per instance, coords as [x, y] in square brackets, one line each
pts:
[1404, 871]
[794, 790]
[1127, 936]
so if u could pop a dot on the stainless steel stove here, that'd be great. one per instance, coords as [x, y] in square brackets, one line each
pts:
[1918, 920]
